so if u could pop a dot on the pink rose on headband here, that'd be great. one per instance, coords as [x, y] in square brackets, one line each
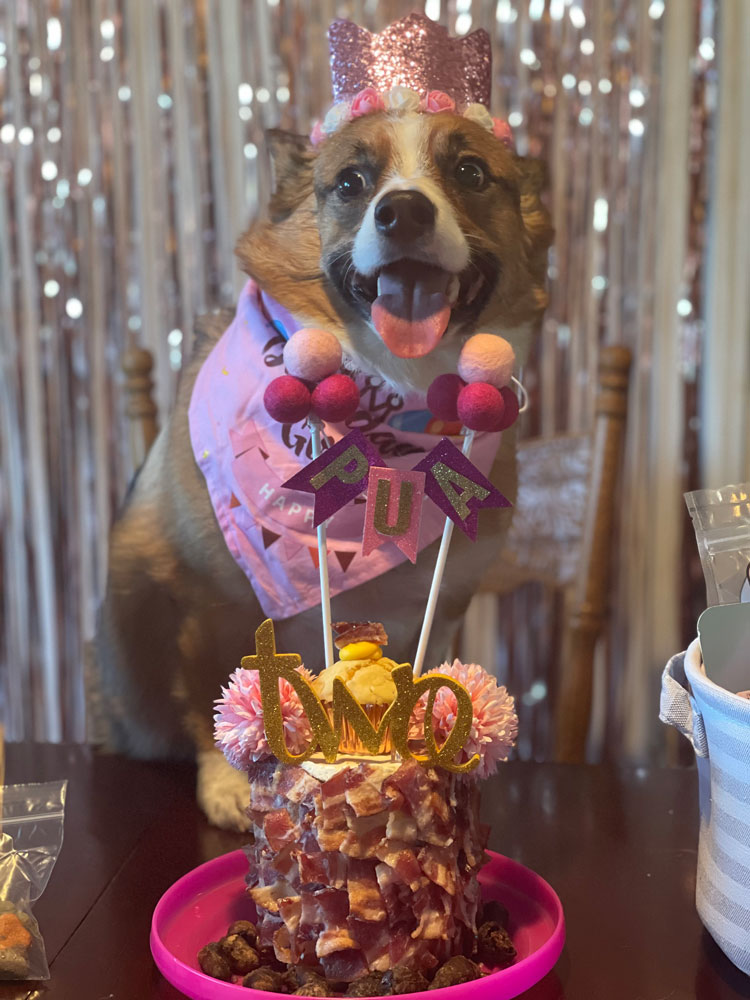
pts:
[317, 134]
[367, 101]
[501, 130]
[436, 100]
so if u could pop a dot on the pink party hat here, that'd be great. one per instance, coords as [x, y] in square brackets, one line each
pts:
[413, 52]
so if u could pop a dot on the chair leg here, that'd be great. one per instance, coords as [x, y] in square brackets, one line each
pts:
[593, 587]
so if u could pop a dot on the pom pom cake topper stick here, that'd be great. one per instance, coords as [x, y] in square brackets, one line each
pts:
[437, 576]
[325, 590]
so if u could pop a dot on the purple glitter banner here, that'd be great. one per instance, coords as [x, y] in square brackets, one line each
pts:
[338, 475]
[458, 487]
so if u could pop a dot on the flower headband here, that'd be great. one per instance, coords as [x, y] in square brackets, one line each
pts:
[370, 100]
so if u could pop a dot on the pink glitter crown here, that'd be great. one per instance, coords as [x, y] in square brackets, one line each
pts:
[413, 52]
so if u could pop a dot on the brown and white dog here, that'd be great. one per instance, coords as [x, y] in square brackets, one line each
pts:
[394, 209]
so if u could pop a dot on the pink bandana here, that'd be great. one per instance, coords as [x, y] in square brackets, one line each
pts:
[246, 456]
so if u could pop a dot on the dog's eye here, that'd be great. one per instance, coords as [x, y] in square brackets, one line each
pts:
[350, 182]
[471, 174]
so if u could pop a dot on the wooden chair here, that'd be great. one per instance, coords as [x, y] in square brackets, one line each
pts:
[140, 408]
[562, 536]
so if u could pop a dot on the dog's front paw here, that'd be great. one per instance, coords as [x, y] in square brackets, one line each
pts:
[223, 792]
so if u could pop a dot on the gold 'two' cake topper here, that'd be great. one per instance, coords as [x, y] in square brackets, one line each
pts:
[272, 666]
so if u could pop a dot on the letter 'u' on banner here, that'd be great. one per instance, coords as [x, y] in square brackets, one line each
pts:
[394, 510]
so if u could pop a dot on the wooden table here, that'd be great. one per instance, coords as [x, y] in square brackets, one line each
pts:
[619, 846]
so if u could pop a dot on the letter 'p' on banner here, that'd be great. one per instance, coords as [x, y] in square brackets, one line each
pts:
[394, 510]
[337, 476]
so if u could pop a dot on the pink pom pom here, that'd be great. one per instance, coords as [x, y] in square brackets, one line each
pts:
[494, 726]
[502, 131]
[336, 398]
[437, 101]
[286, 399]
[480, 406]
[312, 354]
[239, 728]
[512, 406]
[442, 396]
[486, 358]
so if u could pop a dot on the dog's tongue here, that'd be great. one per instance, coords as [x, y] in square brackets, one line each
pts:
[411, 312]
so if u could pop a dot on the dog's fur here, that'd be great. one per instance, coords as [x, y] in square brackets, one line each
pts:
[179, 613]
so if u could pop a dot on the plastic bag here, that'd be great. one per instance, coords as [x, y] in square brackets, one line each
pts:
[32, 833]
[721, 519]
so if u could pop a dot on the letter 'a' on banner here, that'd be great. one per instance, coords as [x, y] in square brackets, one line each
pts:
[394, 510]
[457, 486]
[337, 476]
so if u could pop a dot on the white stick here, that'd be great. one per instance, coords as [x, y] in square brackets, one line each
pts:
[325, 591]
[437, 577]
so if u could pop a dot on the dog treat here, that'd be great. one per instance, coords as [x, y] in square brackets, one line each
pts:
[213, 962]
[350, 632]
[246, 929]
[403, 980]
[241, 956]
[456, 970]
[494, 945]
[370, 985]
[266, 978]
[367, 675]
[228, 958]
[314, 989]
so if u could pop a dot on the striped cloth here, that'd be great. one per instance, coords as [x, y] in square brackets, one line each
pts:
[717, 723]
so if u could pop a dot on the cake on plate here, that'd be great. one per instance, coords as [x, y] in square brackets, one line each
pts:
[366, 862]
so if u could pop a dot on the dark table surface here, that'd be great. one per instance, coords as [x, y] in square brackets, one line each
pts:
[619, 846]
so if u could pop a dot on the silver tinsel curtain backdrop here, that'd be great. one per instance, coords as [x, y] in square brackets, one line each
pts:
[131, 156]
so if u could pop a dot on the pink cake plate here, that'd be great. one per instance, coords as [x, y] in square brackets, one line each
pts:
[199, 907]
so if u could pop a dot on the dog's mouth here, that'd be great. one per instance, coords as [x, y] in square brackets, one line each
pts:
[412, 303]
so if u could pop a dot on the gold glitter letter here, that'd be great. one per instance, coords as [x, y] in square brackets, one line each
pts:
[449, 479]
[338, 468]
[345, 705]
[382, 503]
[271, 666]
[410, 690]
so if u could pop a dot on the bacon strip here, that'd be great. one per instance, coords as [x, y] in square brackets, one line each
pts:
[358, 873]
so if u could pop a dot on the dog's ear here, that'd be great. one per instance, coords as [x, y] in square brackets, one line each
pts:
[534, 175]
[292, 158]
[536, 220]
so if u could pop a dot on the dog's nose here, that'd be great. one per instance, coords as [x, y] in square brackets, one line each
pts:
[404, 215]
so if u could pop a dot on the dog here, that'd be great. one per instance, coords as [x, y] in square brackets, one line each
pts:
[361, 231]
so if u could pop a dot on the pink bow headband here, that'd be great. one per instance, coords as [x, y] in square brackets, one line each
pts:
[370, 100]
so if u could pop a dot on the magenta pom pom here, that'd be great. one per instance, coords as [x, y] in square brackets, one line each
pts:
[312, 354]
[336, 398]
[286, 399]
[442, 396]
[239, 726]
[512, 406]
[480, 406]
[486, 358]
